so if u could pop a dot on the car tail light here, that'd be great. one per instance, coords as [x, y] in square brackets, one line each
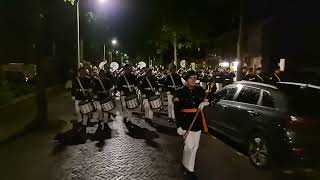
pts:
[298, 151]
[302, 122]
[295, 122]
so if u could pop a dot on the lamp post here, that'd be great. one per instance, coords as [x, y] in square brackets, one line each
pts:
[114, 42]
[78, 31]
[78, 36]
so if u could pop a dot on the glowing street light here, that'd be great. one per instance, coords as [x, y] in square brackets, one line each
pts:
[114, 42]
[102, 1]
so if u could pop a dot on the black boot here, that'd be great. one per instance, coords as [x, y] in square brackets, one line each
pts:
[188, 174]
[76, 126]
[149, 121]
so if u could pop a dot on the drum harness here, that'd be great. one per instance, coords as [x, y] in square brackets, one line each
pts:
[174, 84]
[104, 89]
[80, 84]
[150, 84]
[129, 86]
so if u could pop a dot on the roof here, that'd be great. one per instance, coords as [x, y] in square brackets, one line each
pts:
[256, 84]
[301, 85]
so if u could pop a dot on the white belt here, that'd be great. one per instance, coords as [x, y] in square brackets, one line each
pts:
[147, 88]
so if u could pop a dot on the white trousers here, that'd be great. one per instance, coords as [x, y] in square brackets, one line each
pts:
[80, 117]
[148, 113]
[219, 86]
[191, 145]
[126, 113]
[170, 106]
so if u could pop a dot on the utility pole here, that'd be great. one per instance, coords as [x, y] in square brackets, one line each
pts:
[78, 36]
[41, 119]
[175, 48]
[240, 43]
[104, 52]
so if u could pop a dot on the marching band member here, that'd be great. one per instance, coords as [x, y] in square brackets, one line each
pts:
[259, 77]
[126, 85]
[149, 86]
[85, 81]
[229, 77]
[219, 78]
[172, 84]
[275, 77]
[102, 88]
[188, 101]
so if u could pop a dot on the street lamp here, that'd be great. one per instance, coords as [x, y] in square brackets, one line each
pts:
[114, 42]
[78, 29]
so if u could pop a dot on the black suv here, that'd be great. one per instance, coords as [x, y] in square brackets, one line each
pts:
[275, 123]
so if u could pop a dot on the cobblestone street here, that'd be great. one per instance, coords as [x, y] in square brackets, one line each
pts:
[137, 153]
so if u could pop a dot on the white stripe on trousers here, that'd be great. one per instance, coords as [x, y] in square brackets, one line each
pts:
[191, 145]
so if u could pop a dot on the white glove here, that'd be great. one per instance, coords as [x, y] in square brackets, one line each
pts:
[180, 131]
[203, 104]
[73, 98]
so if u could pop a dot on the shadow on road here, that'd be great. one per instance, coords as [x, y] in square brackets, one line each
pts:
[137, 132]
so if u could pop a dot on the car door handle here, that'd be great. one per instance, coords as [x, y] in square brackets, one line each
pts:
[252, 113]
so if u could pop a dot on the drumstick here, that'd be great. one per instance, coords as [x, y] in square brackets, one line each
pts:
[195, 117]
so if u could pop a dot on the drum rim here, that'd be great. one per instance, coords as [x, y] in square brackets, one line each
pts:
[158, 97]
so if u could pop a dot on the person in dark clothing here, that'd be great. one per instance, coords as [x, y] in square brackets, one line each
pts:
[80, 94]
[126, 84]
[259, 76]
[229, 77]
[188, 101]
[250, 75]
[149, 86]
[219, 78]
[172, 83]
[275, 77]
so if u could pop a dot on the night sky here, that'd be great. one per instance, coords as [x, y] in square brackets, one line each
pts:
[135, 22]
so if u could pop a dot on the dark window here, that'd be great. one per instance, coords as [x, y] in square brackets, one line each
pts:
[227, 93]
[267, 100]
[249, 95]
[302, 101]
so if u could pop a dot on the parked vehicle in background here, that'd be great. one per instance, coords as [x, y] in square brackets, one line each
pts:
[275, 123]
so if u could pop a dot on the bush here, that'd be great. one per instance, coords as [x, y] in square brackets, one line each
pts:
[6, 95]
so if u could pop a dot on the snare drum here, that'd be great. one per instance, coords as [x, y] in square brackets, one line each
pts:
[86, 106]
[155, 102]
[132, 101]
[107, 104]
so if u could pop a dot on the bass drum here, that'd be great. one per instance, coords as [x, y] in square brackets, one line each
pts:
[107, 104]
[155, 102]
[86, 107]
[132, 101]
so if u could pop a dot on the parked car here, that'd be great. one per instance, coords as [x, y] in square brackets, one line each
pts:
[275, 123]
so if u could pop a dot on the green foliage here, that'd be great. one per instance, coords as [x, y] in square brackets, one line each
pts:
[12, 86]
[5, 93]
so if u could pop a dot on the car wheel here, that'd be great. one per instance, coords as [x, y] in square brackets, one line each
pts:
[259, 152]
